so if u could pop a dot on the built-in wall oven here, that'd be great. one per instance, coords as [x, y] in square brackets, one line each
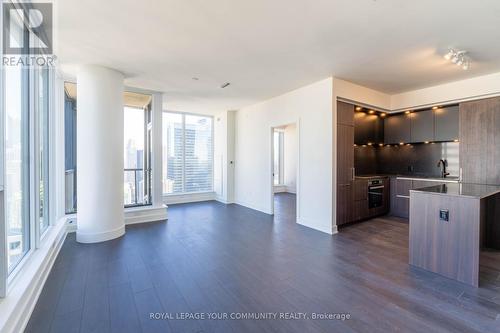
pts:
[376, 190]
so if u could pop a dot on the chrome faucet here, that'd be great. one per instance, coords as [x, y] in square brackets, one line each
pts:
[443, 163]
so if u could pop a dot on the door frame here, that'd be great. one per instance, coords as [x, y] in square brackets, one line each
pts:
[271, 164]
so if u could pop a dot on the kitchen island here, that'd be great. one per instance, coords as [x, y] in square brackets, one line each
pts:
[449, 224]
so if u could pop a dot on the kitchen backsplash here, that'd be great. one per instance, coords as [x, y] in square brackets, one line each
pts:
[416, 159]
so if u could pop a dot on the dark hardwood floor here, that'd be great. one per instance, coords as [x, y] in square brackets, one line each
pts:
[210, 257]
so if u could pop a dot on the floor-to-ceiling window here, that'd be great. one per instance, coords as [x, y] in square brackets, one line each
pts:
[137, 148]
[70, 147]
[25, 112]
[17, 175]
[137, 157]
[187, 153]
[42, 107]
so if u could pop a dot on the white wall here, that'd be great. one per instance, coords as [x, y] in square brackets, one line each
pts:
[224, 156]
[474, 88]
[310, 108]
[290, 158]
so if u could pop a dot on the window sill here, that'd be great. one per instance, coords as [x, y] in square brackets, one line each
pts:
[26, 285]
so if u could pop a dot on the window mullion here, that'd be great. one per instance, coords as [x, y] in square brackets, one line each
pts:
[34, 227]
[183, 153]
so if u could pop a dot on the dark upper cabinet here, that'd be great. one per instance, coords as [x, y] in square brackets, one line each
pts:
[422, 126]
[345, 113]
[480, 141]
[397, 129]
[345, 154]
[368, 128]
[446, 123]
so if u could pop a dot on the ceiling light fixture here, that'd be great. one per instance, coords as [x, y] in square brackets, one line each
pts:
[358, 108]
[459, 58]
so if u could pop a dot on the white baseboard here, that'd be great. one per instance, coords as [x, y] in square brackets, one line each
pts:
[188, 197]
[279, 188]
[132, 216]
[224, 201]
[328, 228]
[16, 308]
[251, 206]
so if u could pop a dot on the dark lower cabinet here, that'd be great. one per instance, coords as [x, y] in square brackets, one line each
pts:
[400, 198]
[400, 207]
[361, 210]
[345, 204]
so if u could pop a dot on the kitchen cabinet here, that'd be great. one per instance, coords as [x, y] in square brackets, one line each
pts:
[480, 141]
[360, 197]
[446, 123]
[403, 187]
[360, 211]
[400, 201]
[345, 113]
[397, 128]
[400, 197]
[422, 126]
[345, 204]
[360, 189]
[345, 154]
[345, 162]
[424, 183]
[368, 128]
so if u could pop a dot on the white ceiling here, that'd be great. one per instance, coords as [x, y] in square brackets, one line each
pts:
[265, 48]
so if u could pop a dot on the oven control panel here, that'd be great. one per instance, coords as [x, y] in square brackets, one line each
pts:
[376, 182]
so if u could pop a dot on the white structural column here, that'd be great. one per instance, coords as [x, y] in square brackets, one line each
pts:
[99, 154]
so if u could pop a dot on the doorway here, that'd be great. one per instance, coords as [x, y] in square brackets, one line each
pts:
[284, 156]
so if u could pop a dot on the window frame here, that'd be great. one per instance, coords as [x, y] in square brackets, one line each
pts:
[281, 156]
[212, 158]
[147, 167]
[30, 104]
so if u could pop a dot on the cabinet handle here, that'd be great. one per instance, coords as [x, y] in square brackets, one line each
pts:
[353, 173]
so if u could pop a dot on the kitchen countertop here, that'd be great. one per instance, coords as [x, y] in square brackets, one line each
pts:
[476, 191]
[429, 178]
